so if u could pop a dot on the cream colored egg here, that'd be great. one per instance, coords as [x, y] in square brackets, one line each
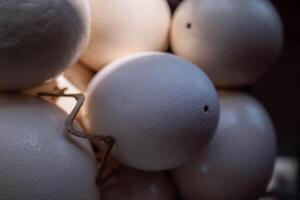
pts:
[160, 109]
[38, 158]
[120, 28]
[233, 41]
[138, 185]
[79, 75]
[238, 163]
[39, 39]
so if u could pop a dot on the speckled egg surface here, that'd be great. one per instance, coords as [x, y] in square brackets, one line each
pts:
[132, 184]
[233, 41]
[39, 39]
[161, 109]
[238, 163]
[120, 28]
[38, 158]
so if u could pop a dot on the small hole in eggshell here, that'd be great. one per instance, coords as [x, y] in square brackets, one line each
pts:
[189, 25]
[206, 108]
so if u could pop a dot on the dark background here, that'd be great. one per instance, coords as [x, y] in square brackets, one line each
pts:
[279, 89]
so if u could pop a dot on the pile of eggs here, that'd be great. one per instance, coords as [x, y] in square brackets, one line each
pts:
[165, 85]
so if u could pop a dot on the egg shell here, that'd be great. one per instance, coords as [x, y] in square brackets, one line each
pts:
[120, 28]
[39, 39]
[38, 158]
[233, 41]
[160, 109]
[238, 163]
[132, 184]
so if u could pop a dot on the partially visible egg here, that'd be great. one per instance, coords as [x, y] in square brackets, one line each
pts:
[160, 109]
[132, 184]
[233, 41]
[238, 163]
[38, 158]
[120, 28]
[39, 39]
[79, 75]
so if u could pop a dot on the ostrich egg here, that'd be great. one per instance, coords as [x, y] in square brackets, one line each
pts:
[39, 39]
[123, 27]
[238, 162]
[160, 109]
[38, 158]
[233, 41]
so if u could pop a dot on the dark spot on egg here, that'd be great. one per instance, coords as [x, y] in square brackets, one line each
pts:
[188, 25]
[206, 108]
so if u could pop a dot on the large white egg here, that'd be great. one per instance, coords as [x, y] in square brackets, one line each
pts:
[238, 163]
[161, 109]
[123, 27]
[39, 39]
[138, 185]
[38, 158]
[233, 41]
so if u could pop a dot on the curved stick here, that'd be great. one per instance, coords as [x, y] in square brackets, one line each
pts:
[71, 117]
[108, 140]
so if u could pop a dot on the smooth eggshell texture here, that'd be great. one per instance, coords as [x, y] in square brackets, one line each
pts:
[161, 109]
[138, 185]
[39, 159]
[238, 163]
[39, 39]
[120, 28]
[233, 41]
